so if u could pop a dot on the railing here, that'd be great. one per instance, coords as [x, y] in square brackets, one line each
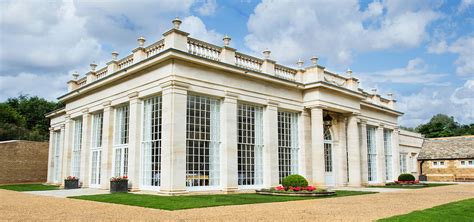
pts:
[285, 72]
[334, 79]
[155, 48]
[203, 49]
[248, 62]
[101, 73]
[125, 62]
[82, 82]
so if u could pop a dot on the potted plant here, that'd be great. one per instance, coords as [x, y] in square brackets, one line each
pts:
[71, 182]
[119, 184]
[295, 185]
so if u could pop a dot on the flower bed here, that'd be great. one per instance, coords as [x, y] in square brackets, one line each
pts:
[308, 191]
[414, 183]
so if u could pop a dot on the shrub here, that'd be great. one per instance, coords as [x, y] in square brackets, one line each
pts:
[294, 180]
[406, 177]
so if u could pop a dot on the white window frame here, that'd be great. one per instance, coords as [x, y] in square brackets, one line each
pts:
[288, 144]
[202, 143]
[387, 139]
[403, 163]
[121, 138]
[371, 154]
[77, 148]
[439, 164]
[56, 156]
[151, 144]
[96, 149]
[328, 152]
[468, 163]
[249, 142]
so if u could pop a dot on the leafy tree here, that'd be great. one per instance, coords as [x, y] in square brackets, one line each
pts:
[442, 125]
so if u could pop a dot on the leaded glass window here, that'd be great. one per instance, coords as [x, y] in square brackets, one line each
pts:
[387, 140]
[327, 150]
[151, 142]
[403, 163]
[121, 141]
[56, 153]
[96, 147]
[371, 154]
[287, 144]
[250, 144]
[77, 146]
[202, 141]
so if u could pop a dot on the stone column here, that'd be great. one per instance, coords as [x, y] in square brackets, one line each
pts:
[107, 142]
[173, 151]
[67, 149]
[317, 146]
[304, 155]
[340, 152]
[228, 148]
[354, 151]
[380, 147]
[363, 153]
[395, 154]
[60, 164]
[134, 142]
[85, 149]
[51, 165]
[270, 148]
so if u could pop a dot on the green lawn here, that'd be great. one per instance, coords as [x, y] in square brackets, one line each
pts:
[456, 211]
[197, 201]
[28, 187]
[414, 187]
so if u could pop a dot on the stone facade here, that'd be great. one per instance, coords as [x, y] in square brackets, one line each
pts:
[448, 159]
[23, 162]
[184, 115]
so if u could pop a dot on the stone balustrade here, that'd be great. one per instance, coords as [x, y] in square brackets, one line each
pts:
[182, 42]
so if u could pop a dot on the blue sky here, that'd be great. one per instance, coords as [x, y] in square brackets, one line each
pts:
[423, 51]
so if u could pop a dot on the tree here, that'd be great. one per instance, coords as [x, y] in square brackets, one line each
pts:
[442, 125]
[24, 118]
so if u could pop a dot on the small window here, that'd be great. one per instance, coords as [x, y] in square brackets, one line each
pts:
[470, 163]
[463, 163]
[435, 163]
[441, 163]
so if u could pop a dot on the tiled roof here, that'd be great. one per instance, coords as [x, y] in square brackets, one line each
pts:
[460, 147]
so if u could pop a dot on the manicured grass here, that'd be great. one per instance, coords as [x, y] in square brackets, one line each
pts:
[457, 211]
[414, 187]
[197, 201]
[28, 187]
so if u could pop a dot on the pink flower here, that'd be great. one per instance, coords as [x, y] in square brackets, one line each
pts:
[310, 188]
[279, 188]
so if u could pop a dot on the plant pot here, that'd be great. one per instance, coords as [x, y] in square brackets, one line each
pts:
[71, 184]
[119, 186]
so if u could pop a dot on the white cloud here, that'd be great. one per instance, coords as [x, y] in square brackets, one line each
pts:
[464, 47]
[197, 29]
[421, 106]
[46, 86]
[207, 8]
[336, 29]
[465, 4]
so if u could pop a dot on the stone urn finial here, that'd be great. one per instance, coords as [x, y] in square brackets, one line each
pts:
[75, 75]
[141, 41]
[374, 91]
[390, 96]
[300, 63]
[266, 53]
[115, 55]
[349, 72]
[226, 40]
[176, 22]
[93, 66]
[314, 60]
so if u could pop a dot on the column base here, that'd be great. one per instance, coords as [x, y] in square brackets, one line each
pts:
[230, 190]
[173, 192]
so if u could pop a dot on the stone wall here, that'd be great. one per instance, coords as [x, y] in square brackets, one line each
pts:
[23, 162]
[452, 171]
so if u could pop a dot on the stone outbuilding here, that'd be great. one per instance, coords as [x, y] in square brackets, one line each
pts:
[447, 159]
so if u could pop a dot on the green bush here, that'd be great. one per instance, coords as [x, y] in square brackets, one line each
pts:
[406, 177]
[294, 180]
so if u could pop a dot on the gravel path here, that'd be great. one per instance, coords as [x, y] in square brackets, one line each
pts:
[22, 206]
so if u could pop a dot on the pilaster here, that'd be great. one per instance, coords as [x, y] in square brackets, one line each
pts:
[228, 148]
[67, 148]
[270, 148]
[380, 154]
[340, 152]
[51, 166]
[363, 152]
[317, 145]
[134, 142]
[304, 156]
[173, 151]
[354, 151]
[107, 143]
[85, 149]
[395, 153]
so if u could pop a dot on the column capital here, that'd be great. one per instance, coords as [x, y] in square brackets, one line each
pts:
[133, 95]
[174, 84]
[51, 129]
[85, 111]
[229, 94]
[381, 125]
[363, 121]
[317, 107]
[106, 104]
[273, 103]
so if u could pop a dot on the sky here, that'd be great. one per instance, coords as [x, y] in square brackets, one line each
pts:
[422, 51]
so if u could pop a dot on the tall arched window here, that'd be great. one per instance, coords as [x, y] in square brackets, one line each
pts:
[327, 149]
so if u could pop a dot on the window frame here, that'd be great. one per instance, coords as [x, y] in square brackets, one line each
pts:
[120, 149]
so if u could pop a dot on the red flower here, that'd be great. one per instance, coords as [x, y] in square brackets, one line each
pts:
[279, 188]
